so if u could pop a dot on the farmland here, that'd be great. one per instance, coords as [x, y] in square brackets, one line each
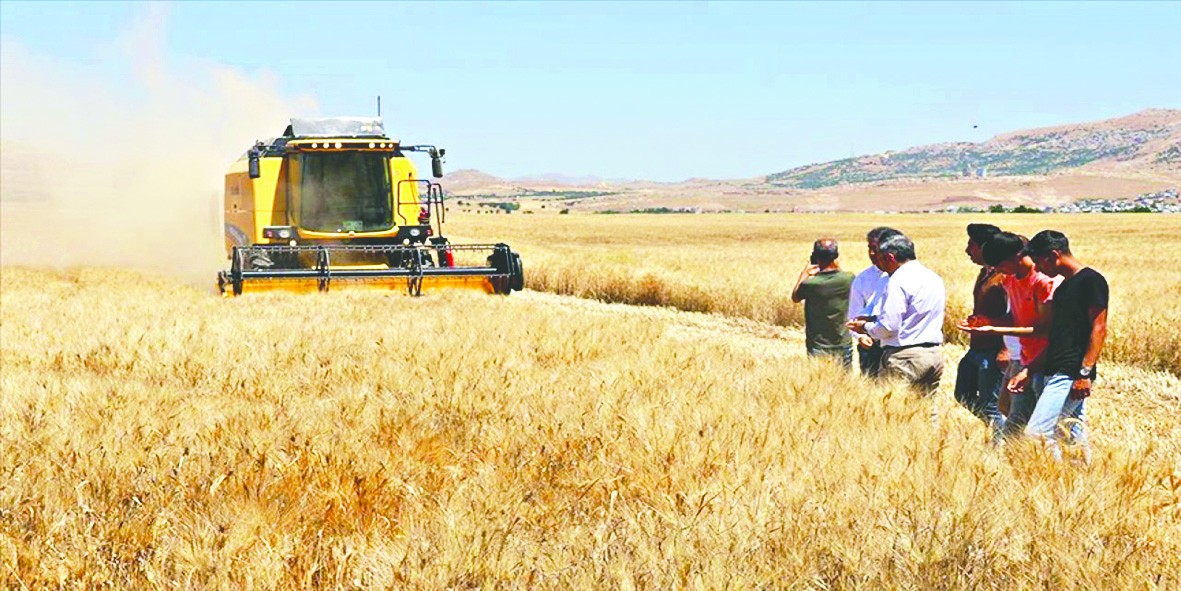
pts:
[745, 265]
[153, 435]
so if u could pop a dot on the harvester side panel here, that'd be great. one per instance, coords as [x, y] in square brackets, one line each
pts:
[252, 204]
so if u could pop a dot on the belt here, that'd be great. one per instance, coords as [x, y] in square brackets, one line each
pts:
[914, 346]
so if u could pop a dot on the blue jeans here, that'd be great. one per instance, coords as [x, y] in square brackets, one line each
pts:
[844, 354]
[1054, 405]
[978, 387]
[1021, 405]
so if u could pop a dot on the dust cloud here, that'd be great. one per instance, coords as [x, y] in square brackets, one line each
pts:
[120, 161]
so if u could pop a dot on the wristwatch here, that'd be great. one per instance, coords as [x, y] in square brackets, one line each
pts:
[1084, 372]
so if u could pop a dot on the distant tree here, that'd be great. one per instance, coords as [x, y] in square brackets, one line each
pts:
[1026, 209]
[996, 208]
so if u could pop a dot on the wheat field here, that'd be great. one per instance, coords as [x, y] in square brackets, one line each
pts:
[154, 436]
[745, 265]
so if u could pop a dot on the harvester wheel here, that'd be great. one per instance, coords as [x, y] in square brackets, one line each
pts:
[501, 259]
[241, 263]
[517, 274]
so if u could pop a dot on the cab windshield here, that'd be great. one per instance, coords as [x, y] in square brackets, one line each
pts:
[344, 192]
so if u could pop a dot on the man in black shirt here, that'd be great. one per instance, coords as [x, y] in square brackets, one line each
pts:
[1078, 327]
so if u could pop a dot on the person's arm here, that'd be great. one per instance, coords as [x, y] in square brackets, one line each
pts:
[1023, 331]
[1045, 313]
[857, 301]
[1082, 386]
[1019, 381]
[797, 295]
[1098, 336]
[1039, 329]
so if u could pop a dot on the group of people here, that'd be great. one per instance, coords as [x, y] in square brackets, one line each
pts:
[1038, 323]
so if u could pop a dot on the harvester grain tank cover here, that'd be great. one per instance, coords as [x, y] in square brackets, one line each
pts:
[338, 127]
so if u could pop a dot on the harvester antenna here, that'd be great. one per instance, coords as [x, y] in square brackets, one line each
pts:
[379, 105]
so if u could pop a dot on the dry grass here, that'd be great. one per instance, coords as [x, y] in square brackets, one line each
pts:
[153, 436]
[745, 265]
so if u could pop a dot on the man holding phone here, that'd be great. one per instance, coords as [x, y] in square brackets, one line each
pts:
[824, 289]
[978, 379]
[909, 322]
[865, 298]
[1030, 293]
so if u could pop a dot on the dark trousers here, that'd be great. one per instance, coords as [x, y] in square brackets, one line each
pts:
[978, 385]
[870, 360]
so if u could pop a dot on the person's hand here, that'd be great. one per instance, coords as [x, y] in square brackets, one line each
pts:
[857, 325]
[864, 341]
[1019, 382]
[1080, 389]
[810, 270]
[1003, 359]
[966, 326]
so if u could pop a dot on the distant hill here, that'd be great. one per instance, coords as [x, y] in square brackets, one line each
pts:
[1112, 159]
[1149, 140]
[467, 179]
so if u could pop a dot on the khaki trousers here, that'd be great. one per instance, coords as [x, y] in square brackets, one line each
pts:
[921, 366]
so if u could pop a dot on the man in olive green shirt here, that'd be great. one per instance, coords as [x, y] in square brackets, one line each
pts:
[824, 289]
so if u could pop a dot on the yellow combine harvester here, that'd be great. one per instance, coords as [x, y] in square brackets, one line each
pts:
[335, 202]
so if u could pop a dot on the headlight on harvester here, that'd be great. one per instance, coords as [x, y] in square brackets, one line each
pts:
[278, 232]
[415, 231]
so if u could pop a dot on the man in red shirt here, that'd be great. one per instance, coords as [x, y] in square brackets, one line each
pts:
[1030, 293]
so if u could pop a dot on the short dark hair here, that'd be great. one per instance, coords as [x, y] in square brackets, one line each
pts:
[825, 250]
[981, 233]
[880, 233]
[898, 245]
[1045, 241]
[1002, 247]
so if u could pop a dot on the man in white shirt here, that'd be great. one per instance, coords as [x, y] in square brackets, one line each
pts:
[909, 322]
[865, 297]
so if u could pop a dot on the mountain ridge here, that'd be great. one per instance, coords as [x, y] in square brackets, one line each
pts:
[1113, 158]
[1147, 139]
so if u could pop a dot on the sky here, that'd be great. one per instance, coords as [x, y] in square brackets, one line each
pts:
[662, 91]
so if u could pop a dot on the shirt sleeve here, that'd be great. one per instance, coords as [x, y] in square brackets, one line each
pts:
[805, 287]
[1098, 291]
[856, 303]
[856, 300]
[890, 314]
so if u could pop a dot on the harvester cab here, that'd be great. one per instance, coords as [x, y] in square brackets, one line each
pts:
[337, 203]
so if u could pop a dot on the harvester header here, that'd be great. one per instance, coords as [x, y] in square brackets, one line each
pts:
[337, 203]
